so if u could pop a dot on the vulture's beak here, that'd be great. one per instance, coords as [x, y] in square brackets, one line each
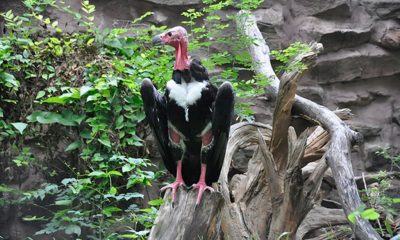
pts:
[157, 40]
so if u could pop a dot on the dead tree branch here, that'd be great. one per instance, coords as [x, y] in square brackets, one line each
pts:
[342, 137]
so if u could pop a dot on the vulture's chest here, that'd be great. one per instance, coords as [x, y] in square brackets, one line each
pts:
[187, 98]
[185, 94]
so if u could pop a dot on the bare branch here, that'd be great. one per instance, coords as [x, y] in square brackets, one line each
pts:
[338, 155]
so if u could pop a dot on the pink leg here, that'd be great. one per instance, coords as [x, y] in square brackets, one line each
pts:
[178, 181]
[201, 184]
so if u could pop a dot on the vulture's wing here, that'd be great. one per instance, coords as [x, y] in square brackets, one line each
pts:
[156, 115]
[198, 71]
[221, 121]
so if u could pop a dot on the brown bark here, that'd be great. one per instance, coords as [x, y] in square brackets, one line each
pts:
[282, 118]
[183, 220]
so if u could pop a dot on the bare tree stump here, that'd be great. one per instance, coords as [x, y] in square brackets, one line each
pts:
[183, 220]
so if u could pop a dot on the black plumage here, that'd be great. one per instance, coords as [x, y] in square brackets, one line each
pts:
[191, 120]
[161, 109]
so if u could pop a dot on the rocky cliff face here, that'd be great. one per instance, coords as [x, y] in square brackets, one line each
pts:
[360, 67]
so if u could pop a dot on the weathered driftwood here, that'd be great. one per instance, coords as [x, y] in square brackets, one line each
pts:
[173, 219]
[282, 119]
[291, 200]
[342, 137]
[320, 217]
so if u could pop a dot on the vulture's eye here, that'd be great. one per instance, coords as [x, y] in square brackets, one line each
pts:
[169, 34]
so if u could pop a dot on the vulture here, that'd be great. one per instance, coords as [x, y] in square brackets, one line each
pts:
[191, 121]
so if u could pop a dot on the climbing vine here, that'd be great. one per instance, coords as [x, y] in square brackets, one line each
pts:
[76, 96]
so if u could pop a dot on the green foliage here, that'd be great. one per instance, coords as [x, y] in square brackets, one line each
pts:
[24, 158]
[287, 57]
[367, 214]
[82, 88]
[381, 207]
[212, 36]
[393, 158]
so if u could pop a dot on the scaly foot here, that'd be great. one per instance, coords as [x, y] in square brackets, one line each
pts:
[202, 186]
[174, 186]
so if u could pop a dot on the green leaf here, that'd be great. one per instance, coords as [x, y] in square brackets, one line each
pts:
[147, 210]
[97, 174]
[57, 99]
[388, 227]
[20, 126]
[25, 53]
[105, 141]
[370, 214]
[4, 188]
[55, 40]
[65, 202]
[48, 118]
[58, 50]
[113, 191]
[66, 118]
[40, 94]
[120, 122]
[352, 217]
[66, 181]
[54, 24]
[33, 218]
[84, 89]
[127, 168]
[85, 133]
[73, 146]
[64, 98]
[90, 41]
[129, 236]
[108, 211]
[156, 202]
[73, 229]
[47, 21]
[395, 200]
[9, 80]
[114, 173]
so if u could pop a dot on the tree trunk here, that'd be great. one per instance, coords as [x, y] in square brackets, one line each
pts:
[273, 197]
